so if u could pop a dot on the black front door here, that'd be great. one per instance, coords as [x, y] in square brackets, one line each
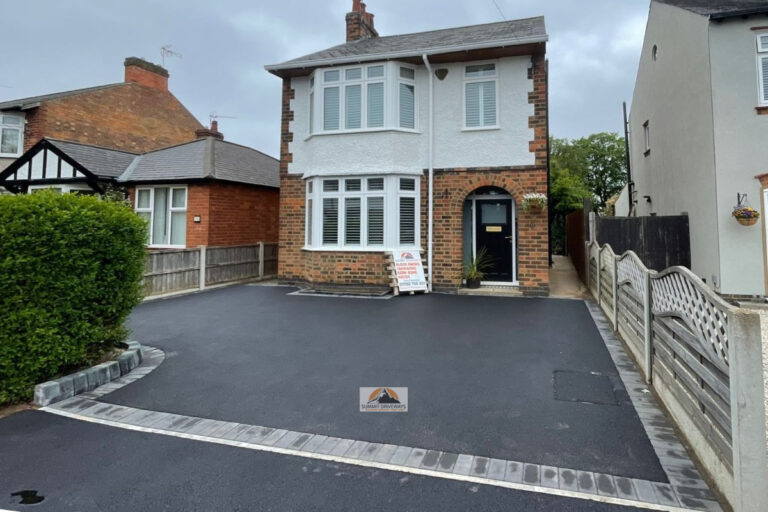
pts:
[493, 230]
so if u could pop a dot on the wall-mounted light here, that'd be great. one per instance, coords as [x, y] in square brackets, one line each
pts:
[197, 219]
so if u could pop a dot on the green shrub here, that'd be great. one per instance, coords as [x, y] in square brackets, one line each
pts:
[70, 272]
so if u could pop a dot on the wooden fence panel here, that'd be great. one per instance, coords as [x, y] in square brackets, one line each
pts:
[659, 241]
[270, 259]
[225, 264]
[171, 271]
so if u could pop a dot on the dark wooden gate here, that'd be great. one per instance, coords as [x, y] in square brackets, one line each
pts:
[659, 241]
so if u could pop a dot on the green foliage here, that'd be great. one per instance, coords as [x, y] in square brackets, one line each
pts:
[477, 266]
[70, 272]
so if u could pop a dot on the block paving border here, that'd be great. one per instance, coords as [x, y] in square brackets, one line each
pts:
[686, 491]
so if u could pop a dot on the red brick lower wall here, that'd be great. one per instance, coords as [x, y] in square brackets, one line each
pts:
[451, 190]
[230, 214]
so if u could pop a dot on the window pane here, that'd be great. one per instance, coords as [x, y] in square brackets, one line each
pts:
[493, 213]
[331, 109]
[481, 70]
[332, 76]
[146, 216]
[375, 183]
[179, 228]
[352, 220]
[353, 74]
[12, 120]
[407, 117]
[179, 198]
[489, 103]
[309, 187]
[375, 221]
[309, 222]
[407, 184]
[9, 141]
[160, 224]
[764, 70]
[375, 71]
[407, 73]
[330, 220]
[408, 220]
[375, 105]
[473, 104]
[143, 199]
[764, 43]
[330, 185]
[353, 107]
[352, 185]
[311, 112]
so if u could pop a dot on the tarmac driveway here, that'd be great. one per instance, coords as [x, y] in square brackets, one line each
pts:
[481, 373]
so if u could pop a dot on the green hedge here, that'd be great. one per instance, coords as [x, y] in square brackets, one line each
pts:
[70, 272]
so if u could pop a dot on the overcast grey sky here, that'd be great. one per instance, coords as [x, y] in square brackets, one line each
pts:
[55, 45]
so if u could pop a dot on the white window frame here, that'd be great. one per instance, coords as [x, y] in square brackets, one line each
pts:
[20, 127]
[466, 80]
[647, 137]
[391, 195]
[171, 210]
[762, 55]
[391, 109]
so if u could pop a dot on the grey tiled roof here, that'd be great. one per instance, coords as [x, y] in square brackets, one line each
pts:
[103, 162]
[25, 102]
[720, 8]
[489, 35]
[205, 158]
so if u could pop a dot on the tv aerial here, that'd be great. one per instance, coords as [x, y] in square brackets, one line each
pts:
[165, 51]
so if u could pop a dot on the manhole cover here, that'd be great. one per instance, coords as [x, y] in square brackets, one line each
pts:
[584, 387]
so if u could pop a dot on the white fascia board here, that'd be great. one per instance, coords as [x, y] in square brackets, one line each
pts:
[405, 53]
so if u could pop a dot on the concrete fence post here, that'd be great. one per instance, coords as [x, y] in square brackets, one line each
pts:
[586, 263]
[261, 260]
[748, 413]
[615, 293]
[203, 264]
[648, 328]
[598, 266]
[592, 227]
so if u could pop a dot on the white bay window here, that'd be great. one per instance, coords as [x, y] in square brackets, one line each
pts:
[762, 68]
[363, 98]
[165, 210]
[362, 213]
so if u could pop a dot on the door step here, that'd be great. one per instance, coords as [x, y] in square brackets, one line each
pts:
[493, 291]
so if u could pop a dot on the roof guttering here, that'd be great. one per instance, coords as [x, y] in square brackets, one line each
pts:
[736, 14]
[517, 41]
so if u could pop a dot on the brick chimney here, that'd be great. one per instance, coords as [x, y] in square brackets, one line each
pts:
[144, 73]
[360, 23]
[213, 131]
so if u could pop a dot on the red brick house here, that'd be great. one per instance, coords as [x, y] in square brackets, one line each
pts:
[137, 115]
[426, 141]
[204, 192]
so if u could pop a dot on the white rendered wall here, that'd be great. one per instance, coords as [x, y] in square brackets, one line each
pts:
[741, 149]
[673, 93]
[403, 152]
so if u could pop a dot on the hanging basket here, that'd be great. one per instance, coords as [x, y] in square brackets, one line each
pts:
[746, 222]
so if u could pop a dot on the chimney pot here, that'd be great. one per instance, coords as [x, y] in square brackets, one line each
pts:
[362, 8]
[214, 126]
[356, 5]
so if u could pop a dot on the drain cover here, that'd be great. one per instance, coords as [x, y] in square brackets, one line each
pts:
[584, 387]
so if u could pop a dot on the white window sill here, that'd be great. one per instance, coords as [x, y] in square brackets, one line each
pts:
[336, 248]
[481, 128]
[166, 247]
[10, 155]
[365, 130]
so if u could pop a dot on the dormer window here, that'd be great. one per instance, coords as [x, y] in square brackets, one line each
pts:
[363, 98]
[11, 135]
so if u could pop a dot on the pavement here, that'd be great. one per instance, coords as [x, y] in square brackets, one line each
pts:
[500, 379]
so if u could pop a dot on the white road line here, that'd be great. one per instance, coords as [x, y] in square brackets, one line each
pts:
[371, 464]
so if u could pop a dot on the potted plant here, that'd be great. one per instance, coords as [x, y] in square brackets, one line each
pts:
[475, 269]
[746, 215]
[534, 201]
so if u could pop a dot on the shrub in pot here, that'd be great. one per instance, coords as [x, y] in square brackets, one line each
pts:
[475, 269]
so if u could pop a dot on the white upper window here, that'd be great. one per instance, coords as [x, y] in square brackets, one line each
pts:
[11, 135]
[364, 97]
[480, 96]
[362, 213]
[165, 210]
[762, 68]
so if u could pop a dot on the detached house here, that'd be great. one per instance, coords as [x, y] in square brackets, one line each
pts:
[425, 141]
[699, 133]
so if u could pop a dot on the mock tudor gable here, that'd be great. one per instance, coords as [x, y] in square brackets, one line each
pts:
[424, 141]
